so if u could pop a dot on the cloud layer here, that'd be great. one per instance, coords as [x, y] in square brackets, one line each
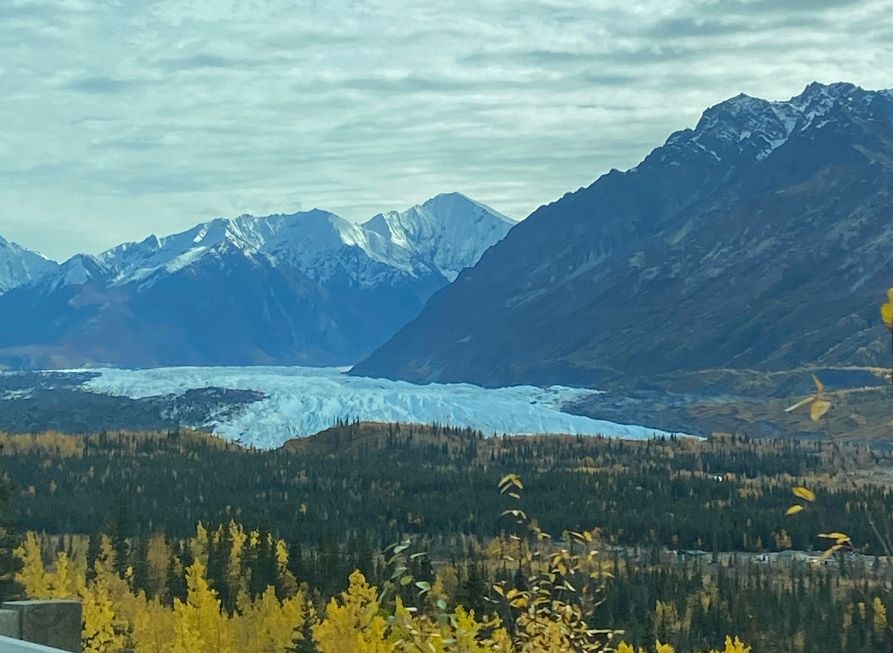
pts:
[124, 118]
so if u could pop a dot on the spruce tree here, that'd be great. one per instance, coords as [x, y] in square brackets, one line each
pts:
[9, 541]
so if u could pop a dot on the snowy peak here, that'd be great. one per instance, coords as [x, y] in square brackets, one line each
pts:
[449, 231]
[442, 236]
[308, 288]
[303, 238]
[131, 262]
[754, 128]
[19, 266]
[748, 200]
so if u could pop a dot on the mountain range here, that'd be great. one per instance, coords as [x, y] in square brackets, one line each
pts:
[760, 239]
[309, 288]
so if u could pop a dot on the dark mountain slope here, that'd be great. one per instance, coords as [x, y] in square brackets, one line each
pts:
[761, 239]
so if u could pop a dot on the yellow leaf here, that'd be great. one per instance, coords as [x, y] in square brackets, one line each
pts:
[887, 315]
[507, 481]
[839, 537]
[519, 602]
[793, 510]
[804, 493]
[890, 295]
[818, 384]
[819, 409]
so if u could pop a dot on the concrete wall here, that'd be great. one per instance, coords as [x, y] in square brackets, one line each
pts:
[55, 624]
[10, 645]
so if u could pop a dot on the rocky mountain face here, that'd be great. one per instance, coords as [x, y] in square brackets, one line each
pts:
[760, 239]
[20, 266]
[309, 288]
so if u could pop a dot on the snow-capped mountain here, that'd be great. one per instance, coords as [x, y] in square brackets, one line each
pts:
[754, 128]
[306, 288]
[19, 265]
[762, 239]
[446, 234]
[450, 231]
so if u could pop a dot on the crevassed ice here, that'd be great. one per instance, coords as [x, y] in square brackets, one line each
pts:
[302, 401]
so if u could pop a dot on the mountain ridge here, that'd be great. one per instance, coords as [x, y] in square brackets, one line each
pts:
[19, 265]
[307, 288]
[712, 252]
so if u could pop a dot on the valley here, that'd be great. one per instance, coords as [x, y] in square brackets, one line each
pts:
[467, 327]
[265, 406]
[670, 387]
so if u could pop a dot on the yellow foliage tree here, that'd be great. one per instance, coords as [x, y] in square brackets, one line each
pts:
[199, 544]
[200, 624]
[158, 561]
[268, 624]
[353, 624]
[879, 615]
[99, 634]
[116, 617]
[731, 646]
[33, 574]
[153, 628]
[238, 537]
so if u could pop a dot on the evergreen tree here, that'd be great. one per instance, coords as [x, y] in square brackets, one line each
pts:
[9, 541]
[474, 591]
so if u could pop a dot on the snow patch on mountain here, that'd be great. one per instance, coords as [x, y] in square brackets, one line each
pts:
[451, 231]
[302, 401]
[19, 266]
[447, 233]
[759, 127]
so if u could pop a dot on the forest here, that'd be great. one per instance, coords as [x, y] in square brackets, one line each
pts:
[692, 535]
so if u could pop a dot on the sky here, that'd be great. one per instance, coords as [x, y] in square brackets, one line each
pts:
[121, 118]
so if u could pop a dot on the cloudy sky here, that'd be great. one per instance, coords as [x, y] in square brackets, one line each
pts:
[122, 118]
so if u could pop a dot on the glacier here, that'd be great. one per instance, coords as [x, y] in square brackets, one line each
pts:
[301, 401]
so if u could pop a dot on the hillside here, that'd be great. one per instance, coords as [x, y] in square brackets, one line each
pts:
[690, 537]
[382, 481]
[760, 239]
